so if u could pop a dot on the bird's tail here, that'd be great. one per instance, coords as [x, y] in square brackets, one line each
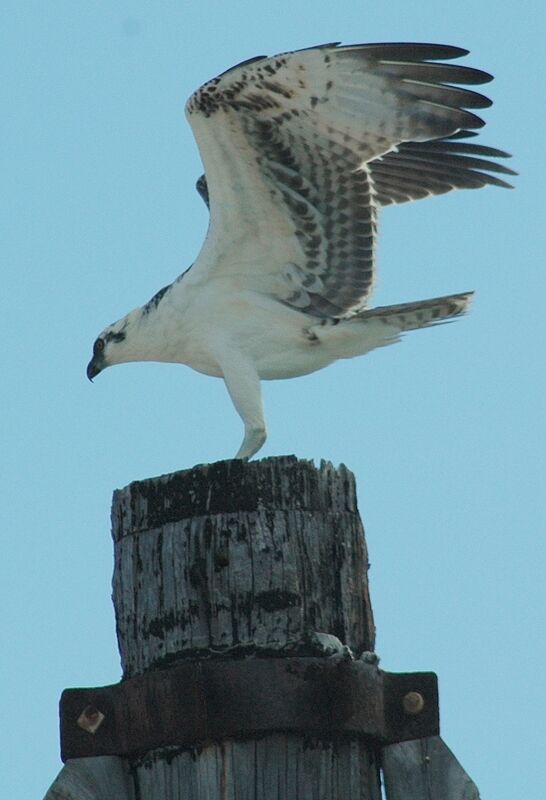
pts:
[383, 326]
[421, 313]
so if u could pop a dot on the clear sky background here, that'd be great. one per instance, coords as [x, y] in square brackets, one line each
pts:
[445, 431]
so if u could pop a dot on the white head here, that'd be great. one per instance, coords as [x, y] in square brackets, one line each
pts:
[132, 338]
[115, 345]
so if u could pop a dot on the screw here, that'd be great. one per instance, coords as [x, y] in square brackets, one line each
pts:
[413, 703]
[90, 719]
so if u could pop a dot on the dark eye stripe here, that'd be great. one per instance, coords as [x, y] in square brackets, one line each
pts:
[114, 337]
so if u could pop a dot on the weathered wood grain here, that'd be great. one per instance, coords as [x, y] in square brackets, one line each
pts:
[425, 769]
[104, 778]
[237, 559]
[251, 556]
[276, 767]
[240, 560]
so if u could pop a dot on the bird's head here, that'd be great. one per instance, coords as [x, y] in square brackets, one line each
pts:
[110, 347]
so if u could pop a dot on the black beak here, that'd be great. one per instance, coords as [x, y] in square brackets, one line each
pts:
[93, 369]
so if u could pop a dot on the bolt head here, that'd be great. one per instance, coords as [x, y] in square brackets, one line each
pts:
[90, 719]
[413, 703]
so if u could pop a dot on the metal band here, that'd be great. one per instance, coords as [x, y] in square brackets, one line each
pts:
[200, 701]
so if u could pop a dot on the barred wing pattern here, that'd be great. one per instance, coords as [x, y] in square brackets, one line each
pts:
[422, 169]
[301, 149]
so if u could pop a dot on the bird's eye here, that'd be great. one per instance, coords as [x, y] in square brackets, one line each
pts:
[98, 347]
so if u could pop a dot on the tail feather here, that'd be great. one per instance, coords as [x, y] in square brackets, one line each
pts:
[379, 327]
[421, 313]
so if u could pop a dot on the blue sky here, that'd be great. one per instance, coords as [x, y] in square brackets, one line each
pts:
[445, 431]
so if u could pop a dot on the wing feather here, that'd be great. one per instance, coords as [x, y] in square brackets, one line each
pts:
[301, 149]
[421, 169]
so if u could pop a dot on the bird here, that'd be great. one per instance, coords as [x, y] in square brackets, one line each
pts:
[300, 151]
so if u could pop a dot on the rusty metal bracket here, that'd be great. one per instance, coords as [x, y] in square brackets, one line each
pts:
[199, 701]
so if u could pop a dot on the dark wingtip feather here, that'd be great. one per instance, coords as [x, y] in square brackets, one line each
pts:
[462, 134]
[411, 51]
[420, 169]
[473, 75]
[472, 120]
[493, 180]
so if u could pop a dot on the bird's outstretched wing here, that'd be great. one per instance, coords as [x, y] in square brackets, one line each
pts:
[301, 149]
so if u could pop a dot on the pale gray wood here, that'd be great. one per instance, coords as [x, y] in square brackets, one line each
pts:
[425, 769]
[240, 557]
[275, 767]
[104, 778]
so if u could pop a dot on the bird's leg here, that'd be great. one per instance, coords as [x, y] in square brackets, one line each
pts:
[243, 384]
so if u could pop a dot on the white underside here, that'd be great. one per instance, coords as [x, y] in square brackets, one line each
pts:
[208, 326]
[220, 329]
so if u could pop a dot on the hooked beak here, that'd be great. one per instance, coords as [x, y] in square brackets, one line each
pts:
[93, 369]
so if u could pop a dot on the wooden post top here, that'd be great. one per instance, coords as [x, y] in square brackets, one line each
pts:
[236, 555]
[235, 486]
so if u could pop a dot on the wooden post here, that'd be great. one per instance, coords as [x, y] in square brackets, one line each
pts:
[217, 569]
[241, 559]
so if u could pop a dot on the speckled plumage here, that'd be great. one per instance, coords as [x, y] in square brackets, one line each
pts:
[300, 151]
[329, 165]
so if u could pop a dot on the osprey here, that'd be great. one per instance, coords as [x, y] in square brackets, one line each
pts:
[300, 152]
